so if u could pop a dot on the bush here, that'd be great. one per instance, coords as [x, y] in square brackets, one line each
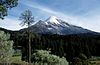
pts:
[44, 56]
[81, 60]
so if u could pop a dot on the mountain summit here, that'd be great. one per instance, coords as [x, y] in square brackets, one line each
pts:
[54, 25]
[52, 20]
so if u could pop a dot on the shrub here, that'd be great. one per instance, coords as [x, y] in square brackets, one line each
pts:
[44, 56]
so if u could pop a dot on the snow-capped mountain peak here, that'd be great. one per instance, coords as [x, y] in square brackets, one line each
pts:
[52, 20]
[54, 25]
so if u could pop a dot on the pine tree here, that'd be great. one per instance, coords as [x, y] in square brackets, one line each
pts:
[70, 52]
[6, 47]
[27, 19]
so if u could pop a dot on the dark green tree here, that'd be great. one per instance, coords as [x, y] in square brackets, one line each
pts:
[28, 19]
[70, 52]
[87, 51]
[5, 5]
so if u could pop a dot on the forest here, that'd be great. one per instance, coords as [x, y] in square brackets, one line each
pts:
[68, 46]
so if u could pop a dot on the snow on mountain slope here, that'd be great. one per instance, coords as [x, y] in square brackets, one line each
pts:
[54, 25]
[52, 20]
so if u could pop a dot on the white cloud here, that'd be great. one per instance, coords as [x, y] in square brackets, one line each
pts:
[11, 24]
[46, 9]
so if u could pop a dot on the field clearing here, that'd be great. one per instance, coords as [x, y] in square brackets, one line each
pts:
[16, 59]
[95, 62]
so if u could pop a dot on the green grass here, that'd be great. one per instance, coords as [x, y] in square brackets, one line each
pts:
[16, 59]
[95, 62]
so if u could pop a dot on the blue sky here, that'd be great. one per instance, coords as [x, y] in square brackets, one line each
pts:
[84, 13]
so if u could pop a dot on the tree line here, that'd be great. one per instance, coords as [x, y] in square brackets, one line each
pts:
[68, 46]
